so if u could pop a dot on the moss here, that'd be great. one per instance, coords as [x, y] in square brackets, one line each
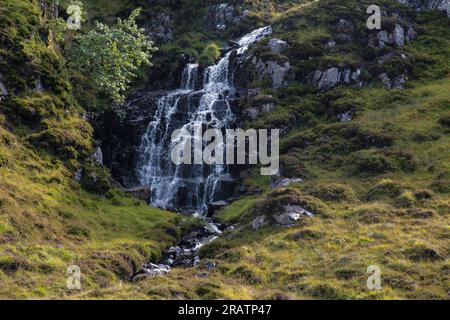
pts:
[423, 253]
[333, 192]
[374, 213]
[385, 189]
[370, 162]
[406, 200]
[70, 137]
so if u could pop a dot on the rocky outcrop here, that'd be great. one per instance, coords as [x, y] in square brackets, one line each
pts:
[221, 16]
[277, 46]
[125, 134]
[327, 79]
[428, 5]
[160, 29]
[277, 71]
[397, 37]
[3, 91]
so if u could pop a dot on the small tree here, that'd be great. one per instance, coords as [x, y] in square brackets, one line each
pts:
[110, 56]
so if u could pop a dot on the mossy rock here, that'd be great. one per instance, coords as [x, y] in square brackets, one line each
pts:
[370, 162]
[307, 234]
[276, 201]
[95, 178]
[385, 189]
[374, 213]
[333, 192]
[406, 200]
[247, 274]
[423, 253]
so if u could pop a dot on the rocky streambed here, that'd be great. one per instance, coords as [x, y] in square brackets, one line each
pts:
[185, 253]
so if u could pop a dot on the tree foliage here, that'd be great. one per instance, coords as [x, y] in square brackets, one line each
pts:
[110, 56]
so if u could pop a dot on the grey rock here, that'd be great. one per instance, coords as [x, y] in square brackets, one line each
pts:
[98, 156]
[277, 46]
[346, 116]
[252, 113]
[396, 83]
[399, 36]
[277, 71]
[203, 274]
[3, 91]
[411, 34]
[259, 222]
[295, 209]
[221, 16]
[428, 5]
[287, 219]
[160, 29]
[268, 107]
[330, 78]
[208, 264]
[154, 270]
[285, 182]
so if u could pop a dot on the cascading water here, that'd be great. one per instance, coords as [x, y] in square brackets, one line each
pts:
[191, 187]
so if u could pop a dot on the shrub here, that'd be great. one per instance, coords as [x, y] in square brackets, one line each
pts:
[209, 55]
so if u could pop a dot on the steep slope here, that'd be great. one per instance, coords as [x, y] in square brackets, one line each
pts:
[47, 221]
[371, 163]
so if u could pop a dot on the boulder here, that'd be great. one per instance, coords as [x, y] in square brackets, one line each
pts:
[154, 270]
[142, 193]
[259, 222]
[277, 46]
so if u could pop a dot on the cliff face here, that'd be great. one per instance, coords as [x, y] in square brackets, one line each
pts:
[365, 171]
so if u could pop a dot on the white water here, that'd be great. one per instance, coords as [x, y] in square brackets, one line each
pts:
[194, 186]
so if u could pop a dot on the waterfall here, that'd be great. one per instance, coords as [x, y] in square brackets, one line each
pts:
[191, 187]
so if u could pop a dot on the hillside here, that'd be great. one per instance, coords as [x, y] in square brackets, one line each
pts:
[365, 147]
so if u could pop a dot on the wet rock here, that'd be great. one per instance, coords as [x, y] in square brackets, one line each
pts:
[221, 16]
[259, 222]
[160, 30]
[154, 270]
[277, 46]
[142, 193]
[216, 206]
